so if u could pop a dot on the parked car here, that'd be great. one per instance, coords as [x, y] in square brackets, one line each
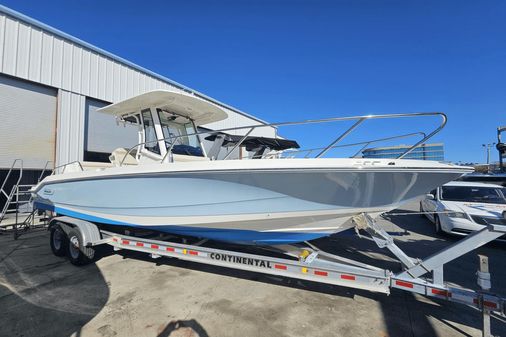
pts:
[465, 206]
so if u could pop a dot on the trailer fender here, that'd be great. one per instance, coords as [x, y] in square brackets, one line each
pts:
[90, 232]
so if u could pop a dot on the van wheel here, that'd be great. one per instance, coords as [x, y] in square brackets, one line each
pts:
[437, 225]
[58, 240]
[422, 212]
[77, 253]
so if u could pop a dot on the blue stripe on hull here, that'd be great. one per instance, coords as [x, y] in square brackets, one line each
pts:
[228, 235]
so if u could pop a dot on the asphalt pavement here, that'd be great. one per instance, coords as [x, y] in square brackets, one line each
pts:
[129, 294]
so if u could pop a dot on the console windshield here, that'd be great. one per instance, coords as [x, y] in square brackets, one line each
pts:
[176, 129]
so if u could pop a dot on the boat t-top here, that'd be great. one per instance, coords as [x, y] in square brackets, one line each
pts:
[169, 183]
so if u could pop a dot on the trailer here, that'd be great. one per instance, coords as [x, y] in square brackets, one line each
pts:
[80, 241]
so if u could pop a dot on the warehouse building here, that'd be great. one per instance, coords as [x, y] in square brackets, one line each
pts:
[51, 85]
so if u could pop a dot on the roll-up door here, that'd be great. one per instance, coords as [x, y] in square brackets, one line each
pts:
[103, 135]
[27, 124]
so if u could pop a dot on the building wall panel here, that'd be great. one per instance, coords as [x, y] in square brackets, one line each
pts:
[56, 78]
[2, 39]
[10, 47]
[66, 83]
[23, 50]
[35, 55]
[76, 68]
[70, 138]
[93, 75]
[46, 62]
[85, 73]
[102, 74]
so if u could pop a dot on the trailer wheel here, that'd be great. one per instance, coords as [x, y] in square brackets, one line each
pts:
[78, 254]
[58, 240]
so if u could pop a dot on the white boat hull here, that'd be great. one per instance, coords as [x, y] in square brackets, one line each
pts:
[256, 202]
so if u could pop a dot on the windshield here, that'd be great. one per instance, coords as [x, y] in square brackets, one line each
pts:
[175, 131]
[490, 195]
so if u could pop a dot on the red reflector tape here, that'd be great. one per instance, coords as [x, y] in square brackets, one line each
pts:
[280, 266]
[154, 246]
[348, 277]
[114, 239]
[490, 304]
[192, 252]
[170, 249]
[404, 284]
[441, 292]
[321, 273]
[125, 242]
[139, 244]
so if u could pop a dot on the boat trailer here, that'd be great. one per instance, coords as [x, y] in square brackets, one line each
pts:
[306, 262]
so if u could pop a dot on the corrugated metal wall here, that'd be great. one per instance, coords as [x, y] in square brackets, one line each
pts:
[31, 53]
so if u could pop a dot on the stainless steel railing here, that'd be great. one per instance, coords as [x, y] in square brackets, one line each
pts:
[364, 144]
[358, 121]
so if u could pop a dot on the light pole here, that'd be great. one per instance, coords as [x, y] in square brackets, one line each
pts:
[487, 148]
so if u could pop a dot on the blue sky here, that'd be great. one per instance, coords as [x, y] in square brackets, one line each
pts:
[293, 60]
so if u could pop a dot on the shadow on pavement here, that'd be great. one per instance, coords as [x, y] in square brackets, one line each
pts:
[189, 328]
[44, 295]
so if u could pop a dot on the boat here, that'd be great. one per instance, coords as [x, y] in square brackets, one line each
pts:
[167, 183]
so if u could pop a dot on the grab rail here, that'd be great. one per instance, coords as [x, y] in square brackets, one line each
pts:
[67, 164]
[364, 143]
[359, 120]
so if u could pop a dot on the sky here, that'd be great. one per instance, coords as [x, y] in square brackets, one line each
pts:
[296, 60]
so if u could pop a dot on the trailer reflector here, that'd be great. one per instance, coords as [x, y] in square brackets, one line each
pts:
[192, 252]
[154, 246]
[125, 242]
[440, 292]
[170, 249]
[321, 273]
[490, 304]
[280, 266]
[304, 270]
[404, 284]
[348, 277]
[139, 244]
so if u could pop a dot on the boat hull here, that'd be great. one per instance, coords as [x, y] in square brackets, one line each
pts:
[262, 206]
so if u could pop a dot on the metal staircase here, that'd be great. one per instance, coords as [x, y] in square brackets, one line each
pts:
[17, 211]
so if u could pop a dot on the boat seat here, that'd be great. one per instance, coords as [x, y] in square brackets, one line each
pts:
[117, 156]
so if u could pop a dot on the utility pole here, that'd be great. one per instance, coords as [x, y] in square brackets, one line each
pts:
[487, 148]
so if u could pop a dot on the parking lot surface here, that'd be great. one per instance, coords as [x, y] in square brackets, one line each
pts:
[129, 294]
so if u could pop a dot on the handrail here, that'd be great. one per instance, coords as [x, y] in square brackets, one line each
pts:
[67, 164]
[365, 143]
[359, 120]
[43, 171]
[10, 171]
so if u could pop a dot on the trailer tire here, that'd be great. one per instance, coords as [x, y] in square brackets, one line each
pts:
[77, 253]
[58, 240]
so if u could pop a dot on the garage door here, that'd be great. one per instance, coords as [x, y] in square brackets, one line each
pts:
[103, 135]
[27, 124]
